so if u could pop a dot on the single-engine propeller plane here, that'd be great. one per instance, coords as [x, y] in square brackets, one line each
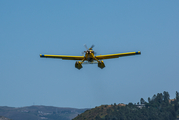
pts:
[90, 57]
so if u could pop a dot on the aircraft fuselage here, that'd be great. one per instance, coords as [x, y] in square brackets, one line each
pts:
[89, 56]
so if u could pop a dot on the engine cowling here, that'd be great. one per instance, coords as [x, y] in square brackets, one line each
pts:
[101, 64]
[78, 65]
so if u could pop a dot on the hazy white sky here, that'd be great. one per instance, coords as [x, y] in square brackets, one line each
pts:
[30, 28]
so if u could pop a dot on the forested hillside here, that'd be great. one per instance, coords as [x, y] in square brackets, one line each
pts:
[159, 107]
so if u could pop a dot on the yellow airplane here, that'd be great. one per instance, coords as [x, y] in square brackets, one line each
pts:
[90, 57]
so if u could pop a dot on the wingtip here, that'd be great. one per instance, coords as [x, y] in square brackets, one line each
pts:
[41, 55]
[138, 52]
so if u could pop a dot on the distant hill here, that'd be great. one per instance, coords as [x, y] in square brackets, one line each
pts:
[4, 118]
[159, 107]
[39, 113]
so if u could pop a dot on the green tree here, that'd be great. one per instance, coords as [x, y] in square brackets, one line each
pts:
[177, 96]
[166, 97]
[142, 101]
[176, 102]
[149, 99]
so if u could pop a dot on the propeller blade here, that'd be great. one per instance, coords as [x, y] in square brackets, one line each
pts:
[82, 53]
[92, 46]
[86, 46]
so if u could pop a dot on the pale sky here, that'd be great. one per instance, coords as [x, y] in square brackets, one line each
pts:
[30, 28]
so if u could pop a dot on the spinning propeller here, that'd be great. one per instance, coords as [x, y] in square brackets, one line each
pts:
[88, 49]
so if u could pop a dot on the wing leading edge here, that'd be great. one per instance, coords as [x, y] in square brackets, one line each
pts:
[65, 57]
[110, 56]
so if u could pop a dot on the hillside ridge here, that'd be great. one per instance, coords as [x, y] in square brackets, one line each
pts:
[37, 112]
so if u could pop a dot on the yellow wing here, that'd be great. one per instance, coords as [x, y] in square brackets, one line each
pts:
[65, 57]
[109, 56]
